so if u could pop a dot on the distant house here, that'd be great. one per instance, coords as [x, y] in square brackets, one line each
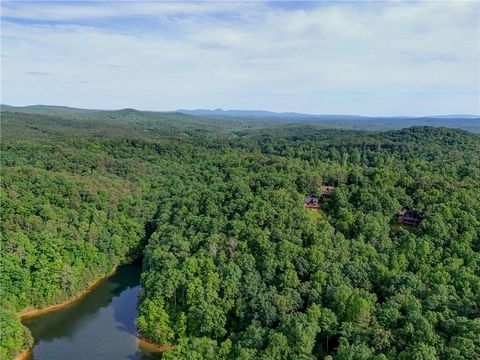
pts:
[408, 216]
[311, 203]
[327, 190]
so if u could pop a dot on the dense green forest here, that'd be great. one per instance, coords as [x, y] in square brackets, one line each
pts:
[234, 267]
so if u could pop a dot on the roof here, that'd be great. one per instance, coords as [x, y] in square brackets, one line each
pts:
[327, 190]
[409, 213]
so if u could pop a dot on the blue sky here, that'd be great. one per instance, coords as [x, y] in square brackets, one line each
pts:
[368, 58]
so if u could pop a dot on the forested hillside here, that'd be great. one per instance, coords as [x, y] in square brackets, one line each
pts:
[234, 267]
[71, 212]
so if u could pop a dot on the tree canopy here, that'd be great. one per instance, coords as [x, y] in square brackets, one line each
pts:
[234, 267]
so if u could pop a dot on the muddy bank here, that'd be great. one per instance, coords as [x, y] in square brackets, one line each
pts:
[144, 343]
[24, 355]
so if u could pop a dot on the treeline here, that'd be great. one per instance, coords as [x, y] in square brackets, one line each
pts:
[234, 266]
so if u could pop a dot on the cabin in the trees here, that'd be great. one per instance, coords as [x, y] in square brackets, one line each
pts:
[408, 216]
[327, 190]
[312, 202]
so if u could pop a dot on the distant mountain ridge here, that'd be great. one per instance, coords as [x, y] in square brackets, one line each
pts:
[234, 113]
[252, 118]
[287, 115]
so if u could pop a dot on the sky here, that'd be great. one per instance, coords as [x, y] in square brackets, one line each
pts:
[379, 58]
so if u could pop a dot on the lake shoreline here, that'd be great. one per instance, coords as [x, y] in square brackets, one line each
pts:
[24, 355]
[31, 312]
[143, 342]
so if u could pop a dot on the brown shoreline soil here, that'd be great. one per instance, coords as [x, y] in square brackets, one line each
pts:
[24, 355]
[152, 346]
[30, 312]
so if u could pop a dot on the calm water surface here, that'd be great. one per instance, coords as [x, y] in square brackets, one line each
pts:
[101, 326]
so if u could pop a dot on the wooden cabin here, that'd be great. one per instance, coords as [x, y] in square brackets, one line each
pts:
[327, 190]
[312, 202]
[408, 216]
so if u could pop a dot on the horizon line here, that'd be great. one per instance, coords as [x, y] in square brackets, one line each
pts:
[180, 110]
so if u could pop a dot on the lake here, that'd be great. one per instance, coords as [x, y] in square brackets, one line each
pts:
[100, 326]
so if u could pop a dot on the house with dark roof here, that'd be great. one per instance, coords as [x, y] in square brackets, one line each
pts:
[312, 202]
[408, 216]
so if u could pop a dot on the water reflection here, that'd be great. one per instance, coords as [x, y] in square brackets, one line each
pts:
[100, 326]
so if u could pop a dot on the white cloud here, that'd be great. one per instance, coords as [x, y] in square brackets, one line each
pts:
[366, 58]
